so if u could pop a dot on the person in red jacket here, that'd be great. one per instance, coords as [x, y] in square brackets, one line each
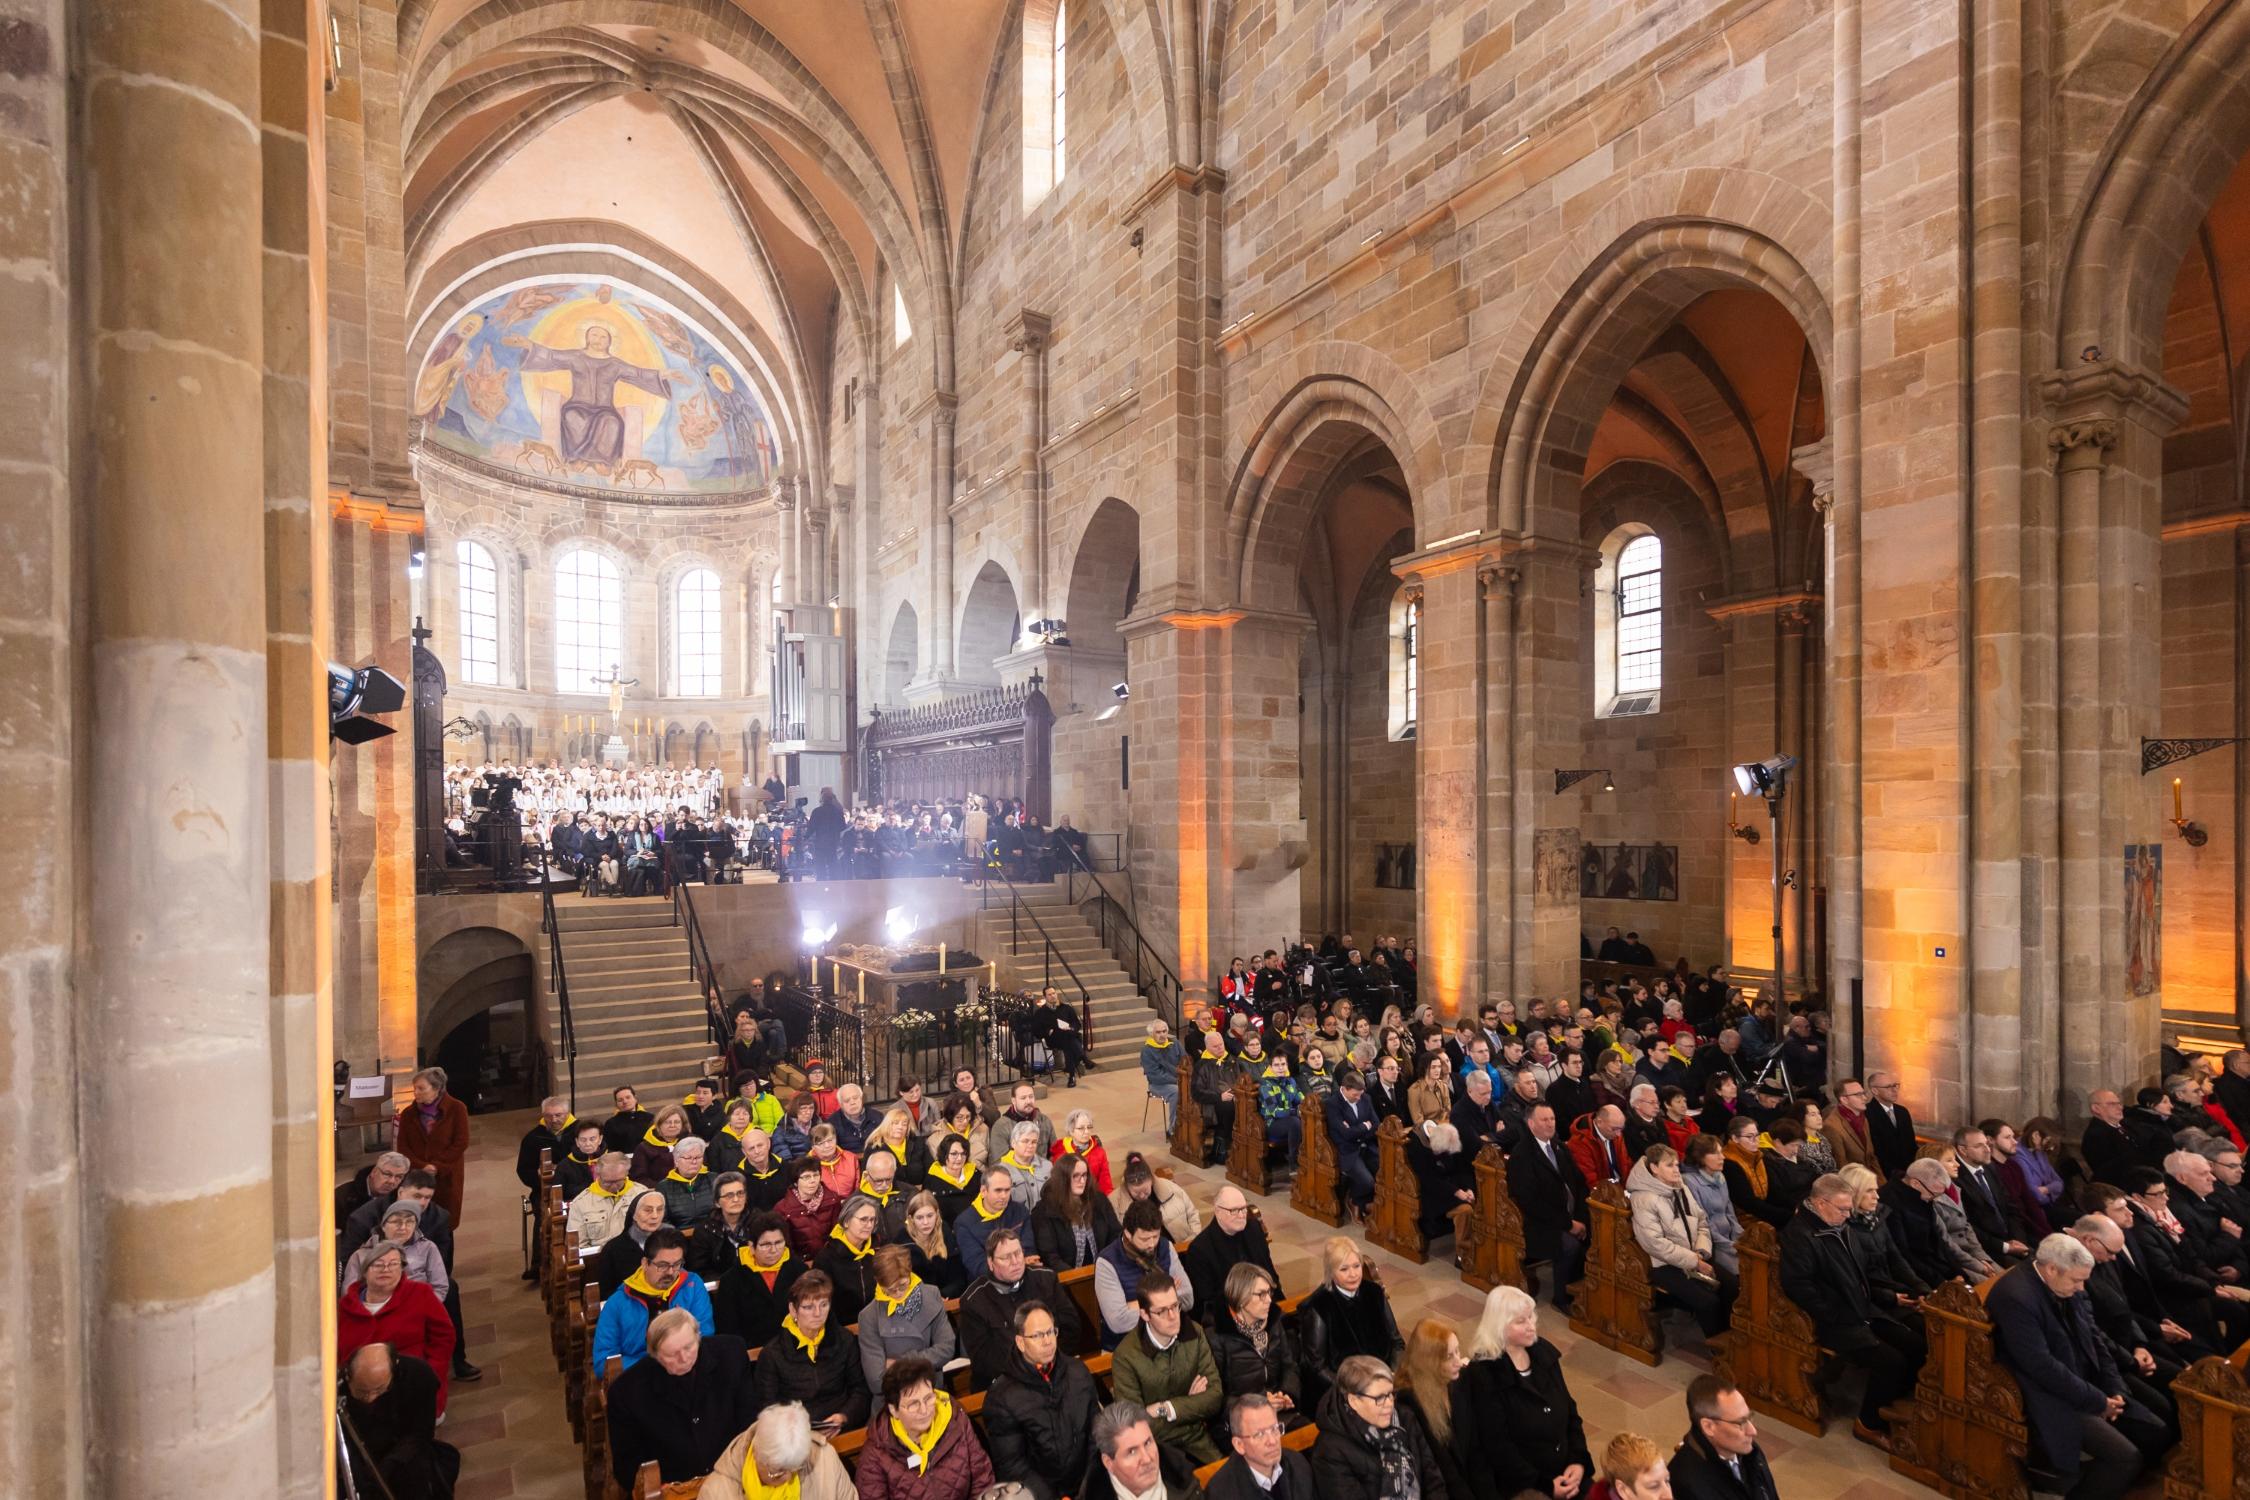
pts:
[1598, 1146]
[921, 1448]
[384, 1307]
[809, 1208]
[433, 1133]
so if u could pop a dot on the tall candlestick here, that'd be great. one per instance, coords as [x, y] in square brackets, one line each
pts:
[941, 957]
[2176, 815]
[863, 989]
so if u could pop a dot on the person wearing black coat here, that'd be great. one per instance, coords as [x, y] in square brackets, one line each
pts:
[682, 1405]
[1348, 1314]
[1913, 1228]
[1718, 1460]
[1292, 1477]
[1821, 1275]
[1272, 1366]
[1520, 1429]
[623, 1131]
[1235, 1236]
[1350, 1456]
[552, 1132]
[2118, 1139]
[2075, 1399]
[753, 1294]
[389, 1403]
[988, 1313]
[816, 1366]
[1055, 1239]
[1441, 1176]
[1890, 1126]
[1550, 1192]
[1039, 1415]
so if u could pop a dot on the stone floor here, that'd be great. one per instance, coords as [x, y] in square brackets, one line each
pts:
[516, 1442]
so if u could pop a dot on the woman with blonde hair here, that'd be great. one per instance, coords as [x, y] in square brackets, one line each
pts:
[934, 1260]
[1349, 1313]
[1633, 1468]
[1519, 1425]
[896, 1135]
[1429, 1381]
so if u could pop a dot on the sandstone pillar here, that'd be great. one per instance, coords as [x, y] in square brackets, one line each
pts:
[1498, 867]
[1450, 770]
[1791, 623]
[1549, 702]
[1028, 338]
[792, 539]
[937, 541]
[175, 1011]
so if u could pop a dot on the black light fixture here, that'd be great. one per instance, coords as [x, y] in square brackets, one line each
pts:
[1764, 778]
[355, 695]
[1565, 780]
[1111, 712]
[1769, 778]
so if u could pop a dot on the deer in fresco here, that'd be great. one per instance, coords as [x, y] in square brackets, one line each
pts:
[634, 471]
[535, 453]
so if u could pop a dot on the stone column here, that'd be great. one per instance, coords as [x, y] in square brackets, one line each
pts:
[1449, 766]
[792, 538]
[1498, 866]
[1788, 723]
[814, 580]
[1028, 338]
[1547, 737]
[175, 1009]
[937, 540]
[2080, 451]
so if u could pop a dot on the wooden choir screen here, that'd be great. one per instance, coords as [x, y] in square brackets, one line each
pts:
[996, 743]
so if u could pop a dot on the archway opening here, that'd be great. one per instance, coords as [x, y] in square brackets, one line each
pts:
[991, 625]
[1090, 783]
[476, 988]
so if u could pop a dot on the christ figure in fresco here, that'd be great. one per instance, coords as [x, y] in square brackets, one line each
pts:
[593, 430]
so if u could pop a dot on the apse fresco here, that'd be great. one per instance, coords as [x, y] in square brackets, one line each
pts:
[593, 384]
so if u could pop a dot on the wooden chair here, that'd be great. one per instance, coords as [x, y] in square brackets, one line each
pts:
[1488, 1246]
[1187, 1122]
[1770, 1352]
[1615, 1304]
[1394, 1221]
[2213, 1458]
[1246, 1154]
[1315, 1191]
[1963, 1432]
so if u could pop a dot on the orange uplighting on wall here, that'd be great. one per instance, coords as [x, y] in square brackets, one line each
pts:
[1448, 895]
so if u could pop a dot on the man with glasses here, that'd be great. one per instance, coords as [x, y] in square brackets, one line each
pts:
[1234, 1237]
[1720, 1459]
[1822, 1275]
[1039, 1415]
[1260, 1467]
[1847, 1134]
[661, 1283]
[1166, 1367]
[1890, 1126]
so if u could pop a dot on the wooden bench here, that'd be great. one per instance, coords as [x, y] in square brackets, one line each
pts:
[1187, 1121]
[594, 1421]
[1314, 1192]
[1963, 1432]
[1394, 1220]
[1615, 1303]
[2213, 1457]
[1770, 1352]
[1247, 1168]
[1079, 1286]
[1488, 1244]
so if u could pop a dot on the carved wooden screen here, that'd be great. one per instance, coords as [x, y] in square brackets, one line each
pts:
[995, 743]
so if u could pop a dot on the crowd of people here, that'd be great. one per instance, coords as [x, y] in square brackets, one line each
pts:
[547, 789]
[824, 840]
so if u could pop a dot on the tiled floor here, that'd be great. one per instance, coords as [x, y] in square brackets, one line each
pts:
[516, 1440]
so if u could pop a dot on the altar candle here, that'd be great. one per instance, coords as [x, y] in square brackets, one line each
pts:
[2176, 815]
[863, 989]
[941, 956]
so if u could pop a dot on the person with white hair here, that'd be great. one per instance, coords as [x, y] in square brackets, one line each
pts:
[1444, 1166]
[1026, 1164]
[677, 1407]
[2086, 1428]
[2140, 1336]
[778, 1451]
[1520, 1425]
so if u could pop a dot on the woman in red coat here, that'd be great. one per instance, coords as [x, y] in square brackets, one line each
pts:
[920, 1448]
[384, 1307]
[433, 1132]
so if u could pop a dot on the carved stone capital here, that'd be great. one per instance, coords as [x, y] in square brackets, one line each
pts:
[1817, 462]
[2082, 445]
[1497, 580]
[1029, 333]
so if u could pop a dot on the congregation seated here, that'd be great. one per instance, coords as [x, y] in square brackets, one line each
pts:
[1022, 1109]
[390, 1414]
[1258, 1466]
[1160, 1069]
[1633, 1468]
[2086, 1428]
[1998, 1226]
[905, 1319]
[952, 1176]
[679, 1407]
[600, 1213]
[959, 1116]
[1367, 1434]
[992, 1303]
[753, 1294]
[1351, 1130]
[925, 1239]
[1911, 1217]
[575, 1168]
[1256, 1349]
[724, 1231]
[1521, 1428]
[1165, 1366]
[1130, 1464]
[1822, 1276]
[401, 1225]
[1430, 1097]
[1719, 1457]
[1139, 1251]
[922, 1448]
[622, 1256]
[2196, 1295]
[1182, 1221]
[1703, 1163]
[1039, 1411]
[851, 1120]
[1348, 1313]
[993, 1209]
[809, 1207]
[1789, 1173]
[660, 1282]
[1026, 1163]
[848, 1256]
[1444, 1168]
[839, 1169]
[1073, 1221]
[628, 1123]
[779, 1454]
[385, 1307]
[792, 1138]
[652, 1153]
[1234, 1237]
[1669, 1226]
[1550, 1193]
[811, 1361]
[897, 1138]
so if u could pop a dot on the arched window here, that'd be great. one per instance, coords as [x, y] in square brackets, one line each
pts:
[480, 614]
[1629, 624]
[695, 631]
[589, 621]
[1406, 663]
[1062, 74]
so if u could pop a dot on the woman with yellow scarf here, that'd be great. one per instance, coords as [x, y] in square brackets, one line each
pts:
[922, 1449]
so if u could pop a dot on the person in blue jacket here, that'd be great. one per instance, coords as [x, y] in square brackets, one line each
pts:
[662, 1282]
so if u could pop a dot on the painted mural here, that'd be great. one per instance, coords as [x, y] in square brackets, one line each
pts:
[2144, 919]
[597, 385]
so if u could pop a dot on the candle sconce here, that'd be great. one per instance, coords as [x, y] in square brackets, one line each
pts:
[2193, 832]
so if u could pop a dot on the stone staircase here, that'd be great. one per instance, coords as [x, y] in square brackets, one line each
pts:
[633, 999]
[1120, 1015]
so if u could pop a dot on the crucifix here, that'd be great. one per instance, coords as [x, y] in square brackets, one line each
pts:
[617, 683]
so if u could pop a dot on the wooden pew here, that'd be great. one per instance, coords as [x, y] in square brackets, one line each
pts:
[1394, 1220]
[1488, 1246]
[1187, 1121]
[1615, 1304]
[1314, 1191]
[600, 1483]
[1079, 1285]
[1246, 1156]
[2212, 1461]
[648, 1484]
[1963, 1433]
[1770, 1351]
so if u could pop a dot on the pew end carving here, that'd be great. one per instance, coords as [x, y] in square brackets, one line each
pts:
[1770, 1352]
[1246, 1154]
[1394, 1220]
[1615, 1302]
[1313, 1192]
[1488, 1244]
[2212, 1461]
[1963, 1432]
[1187, 1121]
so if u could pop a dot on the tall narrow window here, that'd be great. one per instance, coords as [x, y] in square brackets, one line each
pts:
[589, 621]
[1413, 668]
[1640, 616]
[1062, 73]
[480, 614]
[696, 630]
[901, 329]
[1404, 630]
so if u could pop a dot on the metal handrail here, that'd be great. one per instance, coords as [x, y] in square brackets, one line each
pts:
[1019, 909]
[558, 981]
[1163, 985]
[699, 963]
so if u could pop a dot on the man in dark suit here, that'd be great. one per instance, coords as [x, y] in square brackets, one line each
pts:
[1889, 1125]
[1476, 1114]
[2232, 1087]
[1720, 1459]
[2074, 1396]
[1351, 1130]
[1387, 1090]
[1985, 1201]
[1822, 1275]
[2140, 1339]
[1551, 1193]
[2114, 1144]
[2113, 1203]
[1260, 1468]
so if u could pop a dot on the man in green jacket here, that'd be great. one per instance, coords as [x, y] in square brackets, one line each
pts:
[1166, 1366]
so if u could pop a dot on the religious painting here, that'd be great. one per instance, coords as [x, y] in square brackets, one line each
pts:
[1660, 872]
[594, 384]
[1621, 875]
[1394, 867]
[1629, 872]
[2144, 919]
[1554, 866]
[1590, 866]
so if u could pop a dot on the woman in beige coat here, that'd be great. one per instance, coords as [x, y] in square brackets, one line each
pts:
[1668, 1224]
[782, 1444]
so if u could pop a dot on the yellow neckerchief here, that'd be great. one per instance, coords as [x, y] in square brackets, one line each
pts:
[967, 1171]
[653, 1139]
[837, 1234]
[920, 1462]
[749, 1257]
[1069, 1145]
[810, 1345]
[884, 1197]
[674, 1175]
[595, 1187]
[637, 1283]
[568, 1121]
[772, 1167]
[584, 1161]
[892, 1304]
[1153, 1042]
[977, 1203]
[730, 1130]
[1016, 1161]
[754, 1488]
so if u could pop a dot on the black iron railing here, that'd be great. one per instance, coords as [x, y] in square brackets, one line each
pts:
[558, 981]
[1122, 937]
[699, 963]
[1021, 917]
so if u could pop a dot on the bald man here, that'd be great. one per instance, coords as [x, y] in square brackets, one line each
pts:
[1233, 1237]
[389, 1407]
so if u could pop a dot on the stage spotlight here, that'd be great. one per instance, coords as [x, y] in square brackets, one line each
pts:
[1764, 778]
[1111, 712]
[899, 925]
[355, 696]
[816, 937]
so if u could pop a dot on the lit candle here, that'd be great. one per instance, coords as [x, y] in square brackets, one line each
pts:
[863, 989]
[2176, 815]
[941, 956]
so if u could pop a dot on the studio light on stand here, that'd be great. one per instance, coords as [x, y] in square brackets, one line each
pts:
[1769, 779]
[1111, 712]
